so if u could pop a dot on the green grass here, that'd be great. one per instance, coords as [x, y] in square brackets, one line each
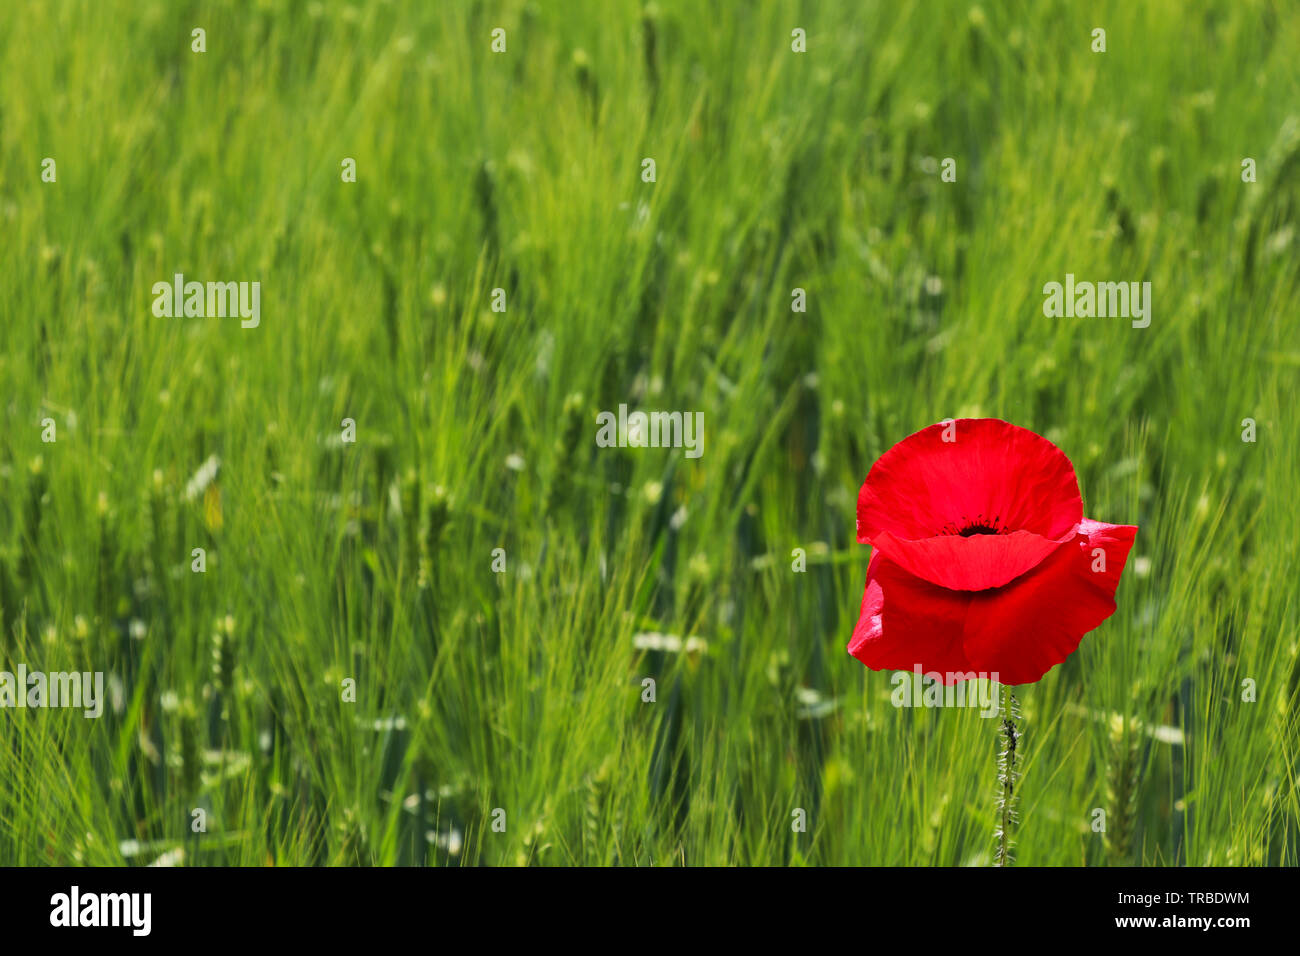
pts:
[476, 430]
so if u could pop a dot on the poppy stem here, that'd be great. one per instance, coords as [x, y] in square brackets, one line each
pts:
[1008, 777]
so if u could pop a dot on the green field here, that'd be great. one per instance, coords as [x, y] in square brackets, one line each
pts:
[516, 697]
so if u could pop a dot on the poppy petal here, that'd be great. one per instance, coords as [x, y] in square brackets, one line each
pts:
[968, 564]
[906, 622]
[986, 471]
[1023, 630]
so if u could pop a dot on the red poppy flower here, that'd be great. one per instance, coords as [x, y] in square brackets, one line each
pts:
[981, 558]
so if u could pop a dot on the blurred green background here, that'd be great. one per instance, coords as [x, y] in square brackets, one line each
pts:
[522, 691]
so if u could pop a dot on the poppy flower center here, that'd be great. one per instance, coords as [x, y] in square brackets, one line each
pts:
[969, 527]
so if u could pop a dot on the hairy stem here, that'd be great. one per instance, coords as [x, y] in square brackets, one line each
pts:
[1008, 777]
